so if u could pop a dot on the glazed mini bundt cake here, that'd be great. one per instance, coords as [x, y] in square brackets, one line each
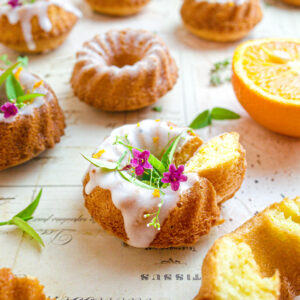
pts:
[36, 26]
[221, 21]
[20, 288]
[137, 188]
[260, 260]
[29, 123]
[123, 70]
[117, 7]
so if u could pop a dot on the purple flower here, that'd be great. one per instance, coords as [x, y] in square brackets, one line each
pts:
[9, 109]
[174, 177]
[14, 3]
[140, 161]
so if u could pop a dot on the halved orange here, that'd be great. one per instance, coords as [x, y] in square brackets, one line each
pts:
[266, 80]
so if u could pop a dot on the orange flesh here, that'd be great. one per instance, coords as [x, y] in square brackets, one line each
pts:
[274, 66]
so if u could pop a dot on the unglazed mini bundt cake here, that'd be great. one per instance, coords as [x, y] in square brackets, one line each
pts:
[20, 288]
[123, 70]
[36, 26]
[292, 2]
[145, 197]
[260, 260]
[30, 122]
[117, 7]
[221, 21]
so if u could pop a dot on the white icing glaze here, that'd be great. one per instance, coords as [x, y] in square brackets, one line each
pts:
[131, 200]
[97, 54]
[26, 12]
[27, 80]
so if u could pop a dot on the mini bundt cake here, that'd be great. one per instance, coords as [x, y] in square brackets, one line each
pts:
[123, 70]
[292, 2]
[30, 123]
[260, 260]
[36, 26]
[145, 197]
[117, 7]
[20, 288]
[221, 21]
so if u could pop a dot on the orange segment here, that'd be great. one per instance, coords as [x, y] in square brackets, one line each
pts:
[266, 79]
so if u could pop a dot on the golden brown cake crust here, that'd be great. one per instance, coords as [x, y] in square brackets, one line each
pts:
[271, 253]
[62, 23]
[129, 70]
[14, 288]
[29, 135]
[292, 2]
[117, 7]
[196, 212]
[221, 22]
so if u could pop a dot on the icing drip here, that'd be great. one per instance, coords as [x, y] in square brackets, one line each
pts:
[27, 80]
[131, 200]
[26, 12]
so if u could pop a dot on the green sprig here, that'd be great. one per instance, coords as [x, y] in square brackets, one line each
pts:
[205, 118]
[5, 60]
[157, 108]
[155, 220]
[20, 219]
[217, 72]
[13, 88]
[23, 60]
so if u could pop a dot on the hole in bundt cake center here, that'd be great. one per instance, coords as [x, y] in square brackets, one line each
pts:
[125, 59]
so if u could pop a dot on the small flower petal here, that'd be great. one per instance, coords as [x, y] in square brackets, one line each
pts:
[147, 165]
[134, 162]
[172, 168]
[145, 155]
[180, 169]
[165, 179]
[136, 153]
[139, 170]
[183, 178]
[175, 185]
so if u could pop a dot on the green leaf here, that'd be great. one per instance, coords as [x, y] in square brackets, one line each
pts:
[9, 88]
[169, 154]
[13, 87]
[157, 108]
[217, 72]
[27, 213]
[102, 163]
[23, 60]
[27, 97]
[27, 228]
[135, 181]
[156, 163]
[7, 72]
[215, 80]
[219, 113]
[5, 59]
[202, 120]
